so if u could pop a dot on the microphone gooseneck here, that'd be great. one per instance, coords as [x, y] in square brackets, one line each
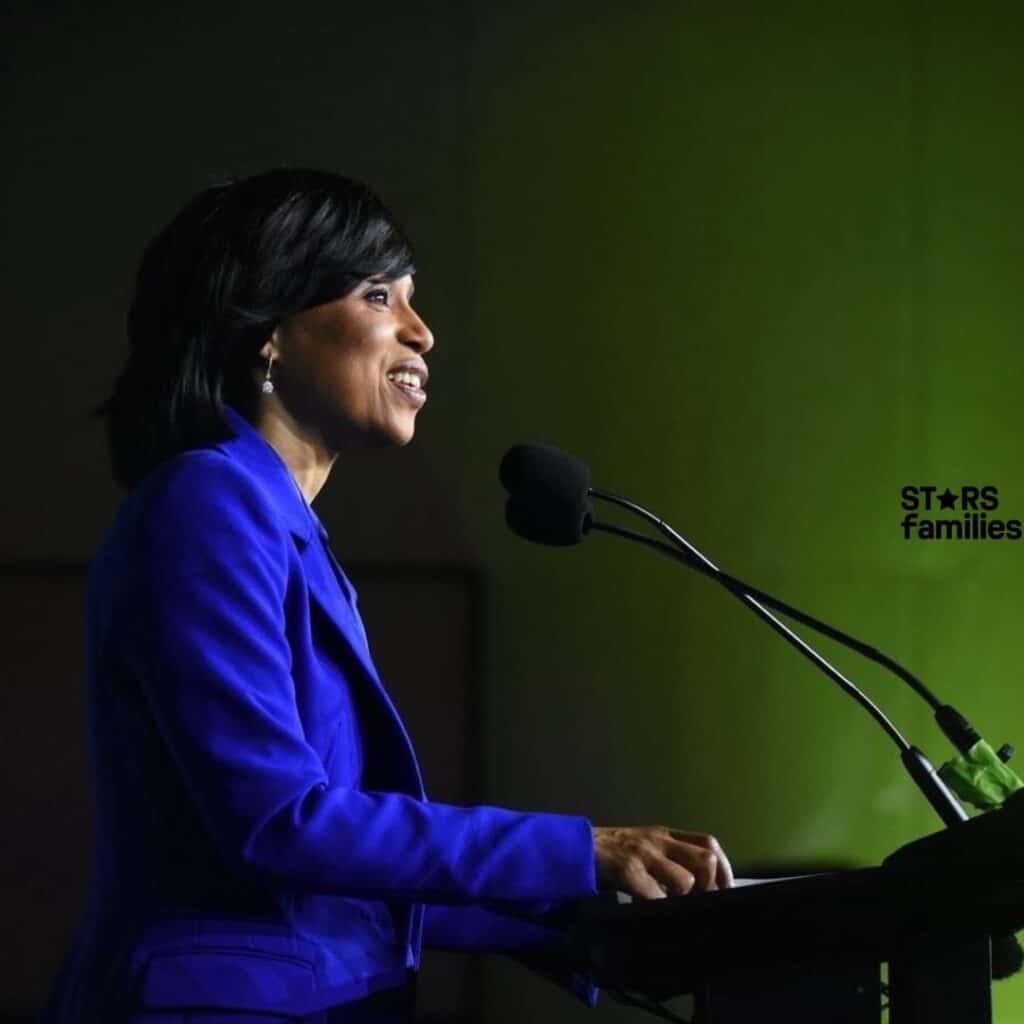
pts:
[570, 517]
[978, 775]
[548, 502]
[955, 727]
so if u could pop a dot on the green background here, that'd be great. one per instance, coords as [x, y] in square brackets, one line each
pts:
[758, 265]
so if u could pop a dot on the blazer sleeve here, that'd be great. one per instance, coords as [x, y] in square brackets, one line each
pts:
[204, 632]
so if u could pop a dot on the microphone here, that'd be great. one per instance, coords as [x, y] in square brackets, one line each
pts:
[543, 469]
[979, 775]
[548, 491]
[549, 503]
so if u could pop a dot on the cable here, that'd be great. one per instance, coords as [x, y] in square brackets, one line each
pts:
[795, 639]
[703, 565]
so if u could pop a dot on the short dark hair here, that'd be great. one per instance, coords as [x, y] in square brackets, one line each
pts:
[241, 256]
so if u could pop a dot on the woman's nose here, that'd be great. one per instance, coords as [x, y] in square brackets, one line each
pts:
[417, 334]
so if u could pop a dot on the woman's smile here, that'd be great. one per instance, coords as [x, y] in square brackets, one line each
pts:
[409, 379]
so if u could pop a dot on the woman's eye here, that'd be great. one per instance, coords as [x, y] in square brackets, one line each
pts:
[377, 293]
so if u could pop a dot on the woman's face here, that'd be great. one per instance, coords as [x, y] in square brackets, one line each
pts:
[352, 369]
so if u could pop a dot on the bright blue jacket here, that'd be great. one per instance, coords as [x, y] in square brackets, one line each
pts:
[264, 841]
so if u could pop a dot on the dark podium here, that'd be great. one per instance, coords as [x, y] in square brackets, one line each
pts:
[810, 949]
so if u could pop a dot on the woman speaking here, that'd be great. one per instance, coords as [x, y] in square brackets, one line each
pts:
[265, 849]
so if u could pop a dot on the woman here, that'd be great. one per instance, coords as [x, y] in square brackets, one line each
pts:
[264, 845]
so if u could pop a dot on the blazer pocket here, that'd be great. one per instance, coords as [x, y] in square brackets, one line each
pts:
[239, 979]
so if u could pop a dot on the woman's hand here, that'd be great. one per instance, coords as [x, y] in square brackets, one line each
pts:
[653, 861]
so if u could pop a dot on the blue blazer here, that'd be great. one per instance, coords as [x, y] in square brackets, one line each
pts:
[263, 837]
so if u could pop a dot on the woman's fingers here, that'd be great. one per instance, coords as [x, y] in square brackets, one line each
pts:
[640, 882]
[723, 869]
[651, 862]
[725, 877]
[700, 861]
[674, 879]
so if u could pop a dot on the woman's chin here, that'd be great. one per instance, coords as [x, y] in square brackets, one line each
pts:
[391, 433]
[395, 437]
[404, 432]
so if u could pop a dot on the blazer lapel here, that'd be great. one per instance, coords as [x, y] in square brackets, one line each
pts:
[328, 585]
[335, 596]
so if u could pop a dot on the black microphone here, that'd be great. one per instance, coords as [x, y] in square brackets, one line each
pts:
[543, 468]
[548, 502]
[548, 489]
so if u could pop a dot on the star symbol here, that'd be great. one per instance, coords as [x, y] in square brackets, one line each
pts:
[947, 499]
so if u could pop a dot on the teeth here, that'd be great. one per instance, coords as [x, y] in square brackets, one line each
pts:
[410, 380]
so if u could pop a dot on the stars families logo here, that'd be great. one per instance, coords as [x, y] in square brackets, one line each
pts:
[971, 504]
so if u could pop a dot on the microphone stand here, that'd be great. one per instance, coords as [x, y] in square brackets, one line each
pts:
[920, 768]
[979, 774]
[992, 781]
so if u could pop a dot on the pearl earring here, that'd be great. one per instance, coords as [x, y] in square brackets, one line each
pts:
[268, 387]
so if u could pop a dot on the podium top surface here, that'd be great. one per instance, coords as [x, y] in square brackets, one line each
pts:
[967, 880]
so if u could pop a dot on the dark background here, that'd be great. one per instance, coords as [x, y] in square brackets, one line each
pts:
[758, 264]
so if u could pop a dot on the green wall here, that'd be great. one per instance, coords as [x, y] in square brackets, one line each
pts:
[758, 268]
[757, 264]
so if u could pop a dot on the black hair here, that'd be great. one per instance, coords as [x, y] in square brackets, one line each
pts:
[240, 257]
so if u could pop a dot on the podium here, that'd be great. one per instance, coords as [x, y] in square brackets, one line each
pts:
[810, 950]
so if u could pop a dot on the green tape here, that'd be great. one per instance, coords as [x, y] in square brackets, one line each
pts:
[980, 778]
